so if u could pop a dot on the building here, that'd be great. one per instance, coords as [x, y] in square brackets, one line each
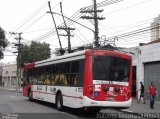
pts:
[155, 29]
[146, 66]
[9, 75]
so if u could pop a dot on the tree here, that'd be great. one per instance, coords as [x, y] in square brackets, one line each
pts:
[35, 52]
[3, 42]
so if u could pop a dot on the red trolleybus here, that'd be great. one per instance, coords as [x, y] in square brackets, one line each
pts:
[87, 79]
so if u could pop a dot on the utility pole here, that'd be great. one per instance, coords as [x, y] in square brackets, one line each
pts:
[18, 45]
[95, 18]
[67, 29]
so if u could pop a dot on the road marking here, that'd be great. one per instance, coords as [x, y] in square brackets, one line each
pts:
[128, 111]
[70, 114]
[12, 96]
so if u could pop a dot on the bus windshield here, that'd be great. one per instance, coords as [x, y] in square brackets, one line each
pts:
[111, 68]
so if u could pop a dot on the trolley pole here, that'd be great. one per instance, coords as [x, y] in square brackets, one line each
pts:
[61, 49]
[67, 29]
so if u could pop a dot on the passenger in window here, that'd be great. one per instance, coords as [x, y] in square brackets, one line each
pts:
[63, 79]
[57, 79]
[67, 78]
[47, 80]
[43, 78]
[75, 81]
[52, 79]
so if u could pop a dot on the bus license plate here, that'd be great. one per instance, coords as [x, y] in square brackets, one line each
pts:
[110, 98]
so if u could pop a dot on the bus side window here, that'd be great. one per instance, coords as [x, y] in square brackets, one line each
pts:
[74, 72]
[52, 79]
[65, 69]
[40, 75]
[80, 77]
[47, 74]
[75, 83]
[53, 75]
[57, 79]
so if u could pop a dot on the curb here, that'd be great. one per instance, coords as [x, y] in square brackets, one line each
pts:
[14, 90]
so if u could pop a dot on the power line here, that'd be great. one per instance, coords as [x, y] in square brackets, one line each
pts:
[35, 21]
[38, 30]
[135, 32]
[50, 33]
[131, 26]
[102, 4]
[31, 17]
[127, 7]
[74, 17]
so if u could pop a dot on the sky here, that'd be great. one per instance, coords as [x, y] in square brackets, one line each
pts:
[30, 18]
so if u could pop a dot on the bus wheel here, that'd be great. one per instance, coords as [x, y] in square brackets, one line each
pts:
[30, 95]
[59, 102]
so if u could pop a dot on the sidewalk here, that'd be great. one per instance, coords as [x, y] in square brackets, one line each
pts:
[143, 108]
[12, 89]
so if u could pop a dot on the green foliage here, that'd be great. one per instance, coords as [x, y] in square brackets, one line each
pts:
[3, 42]
[35, 52]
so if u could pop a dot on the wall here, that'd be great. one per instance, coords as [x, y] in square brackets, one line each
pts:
[9, 75]
[147, 54]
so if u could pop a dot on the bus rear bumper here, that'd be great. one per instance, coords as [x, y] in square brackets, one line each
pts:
[87, 102]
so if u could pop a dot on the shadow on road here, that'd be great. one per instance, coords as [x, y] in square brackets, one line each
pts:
[77, 113]
[81, 114]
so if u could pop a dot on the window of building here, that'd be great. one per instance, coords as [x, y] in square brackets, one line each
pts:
[7, 72]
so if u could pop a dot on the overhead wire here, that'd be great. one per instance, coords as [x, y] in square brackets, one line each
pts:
[35, 21]
[50, 33]
[102, 4]
[118, 10]
[81, 33]
[31, 17]
[141, 35]
[135, 32]
[39, 18]
[38, 30]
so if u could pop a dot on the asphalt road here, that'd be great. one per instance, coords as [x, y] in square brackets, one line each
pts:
[14, 106]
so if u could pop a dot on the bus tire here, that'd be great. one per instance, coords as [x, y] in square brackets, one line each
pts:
[30, 95]
[59, 101]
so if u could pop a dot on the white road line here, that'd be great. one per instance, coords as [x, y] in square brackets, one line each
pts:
[70, 114]
[128, 111]
[12, 96]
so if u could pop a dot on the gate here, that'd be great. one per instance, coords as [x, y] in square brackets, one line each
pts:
[152, 73]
